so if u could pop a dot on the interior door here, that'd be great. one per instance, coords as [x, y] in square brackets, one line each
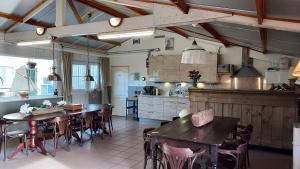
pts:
[119, 89]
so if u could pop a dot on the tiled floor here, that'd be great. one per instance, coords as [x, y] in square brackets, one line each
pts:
[122, 151]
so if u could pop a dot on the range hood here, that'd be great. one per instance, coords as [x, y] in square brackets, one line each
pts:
[247, 69]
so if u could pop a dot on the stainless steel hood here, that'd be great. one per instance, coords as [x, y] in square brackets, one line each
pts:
[247, 69]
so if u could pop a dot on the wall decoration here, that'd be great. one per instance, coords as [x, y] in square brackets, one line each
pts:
[169, 44]
[136, 41]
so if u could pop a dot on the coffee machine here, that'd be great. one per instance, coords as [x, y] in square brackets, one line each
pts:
[150, 90]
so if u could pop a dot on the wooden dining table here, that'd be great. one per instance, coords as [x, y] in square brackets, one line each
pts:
[33, 142]
[183, 133]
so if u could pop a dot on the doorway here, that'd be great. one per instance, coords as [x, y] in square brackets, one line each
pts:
[119, 76]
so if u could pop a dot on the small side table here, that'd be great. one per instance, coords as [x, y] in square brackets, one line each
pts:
[132, 103]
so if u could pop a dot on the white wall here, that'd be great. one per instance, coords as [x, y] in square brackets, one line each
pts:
[230, 55]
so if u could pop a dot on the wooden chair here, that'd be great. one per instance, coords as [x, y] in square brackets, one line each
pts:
[233, 158]
[106, 118]
[147, 145]
[56, 128]
[7, 133]
[244, 133]
[178, 158]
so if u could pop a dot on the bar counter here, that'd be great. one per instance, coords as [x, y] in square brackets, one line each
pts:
[272, 113]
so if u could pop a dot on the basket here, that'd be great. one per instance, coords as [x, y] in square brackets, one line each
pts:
[73, 107]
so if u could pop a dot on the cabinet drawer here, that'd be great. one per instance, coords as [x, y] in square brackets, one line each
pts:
[183, 101]
[170, 99]
[145, 99]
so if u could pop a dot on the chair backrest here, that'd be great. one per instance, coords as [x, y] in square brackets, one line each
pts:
[177, 158]
[88, 119]
[106, 114]
[241, 155]
[62, 124]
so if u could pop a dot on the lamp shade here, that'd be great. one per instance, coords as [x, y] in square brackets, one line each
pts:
[194, 55]
[54, 76]
[297, 70]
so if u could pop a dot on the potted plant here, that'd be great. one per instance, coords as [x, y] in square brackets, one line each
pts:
[195, 76]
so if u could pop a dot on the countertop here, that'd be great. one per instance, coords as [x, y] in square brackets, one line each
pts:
[174, 96]
[233, 91]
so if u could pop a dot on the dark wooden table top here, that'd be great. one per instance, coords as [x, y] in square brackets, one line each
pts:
[90, 108]
[22, 117]
[182, 129]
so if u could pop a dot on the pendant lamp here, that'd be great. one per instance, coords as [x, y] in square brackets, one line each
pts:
[194, 55]
[88, 77]
[53, 76]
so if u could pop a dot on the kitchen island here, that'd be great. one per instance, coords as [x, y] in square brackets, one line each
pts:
[272, 113]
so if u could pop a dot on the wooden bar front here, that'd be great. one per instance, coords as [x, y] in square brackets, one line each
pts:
[272, 113]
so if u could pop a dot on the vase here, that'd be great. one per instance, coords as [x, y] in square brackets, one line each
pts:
[194, 82]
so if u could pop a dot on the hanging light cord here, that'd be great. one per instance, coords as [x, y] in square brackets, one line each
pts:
[88, 44]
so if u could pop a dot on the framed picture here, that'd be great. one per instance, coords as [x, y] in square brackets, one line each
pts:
[169, 44]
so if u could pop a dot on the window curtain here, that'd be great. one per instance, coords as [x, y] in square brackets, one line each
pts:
[67, 74]
[104, 79]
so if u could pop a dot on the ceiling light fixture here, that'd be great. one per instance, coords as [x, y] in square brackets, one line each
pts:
[115, 22]
[54, 76]
[194, 55]
[88, 77]
[31, 43]
[40, 31]
[116, 35]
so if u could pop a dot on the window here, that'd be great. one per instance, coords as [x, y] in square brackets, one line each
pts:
[15, 76]
[95, 73]
[78, 73]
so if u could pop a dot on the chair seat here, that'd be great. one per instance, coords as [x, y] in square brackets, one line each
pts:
[16, 133]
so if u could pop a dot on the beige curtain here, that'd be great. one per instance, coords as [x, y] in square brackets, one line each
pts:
[104, 79]
[67, 75]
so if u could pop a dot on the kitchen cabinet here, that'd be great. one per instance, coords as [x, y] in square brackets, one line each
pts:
[168, 68]
[161, 107]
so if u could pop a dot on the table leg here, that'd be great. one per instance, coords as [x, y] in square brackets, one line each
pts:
[214, 156]
[154, 155]
[32, 142]
[16, 152]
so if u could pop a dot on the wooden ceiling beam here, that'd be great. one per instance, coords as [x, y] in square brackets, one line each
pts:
[260, 10]
[32, 22]
[80, 20]
[261, 14]
[215, 34]
[172, 28]
[178, 31]
[75, 12]
[33, 11]
[138, 10]
[181, 5]
[104, 8]
[263, 37]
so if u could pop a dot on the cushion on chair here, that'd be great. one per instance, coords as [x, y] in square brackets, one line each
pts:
[201, 118]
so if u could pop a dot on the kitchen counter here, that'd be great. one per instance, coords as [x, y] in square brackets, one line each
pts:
[272, 113]
[264, 92]
[161, 107]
